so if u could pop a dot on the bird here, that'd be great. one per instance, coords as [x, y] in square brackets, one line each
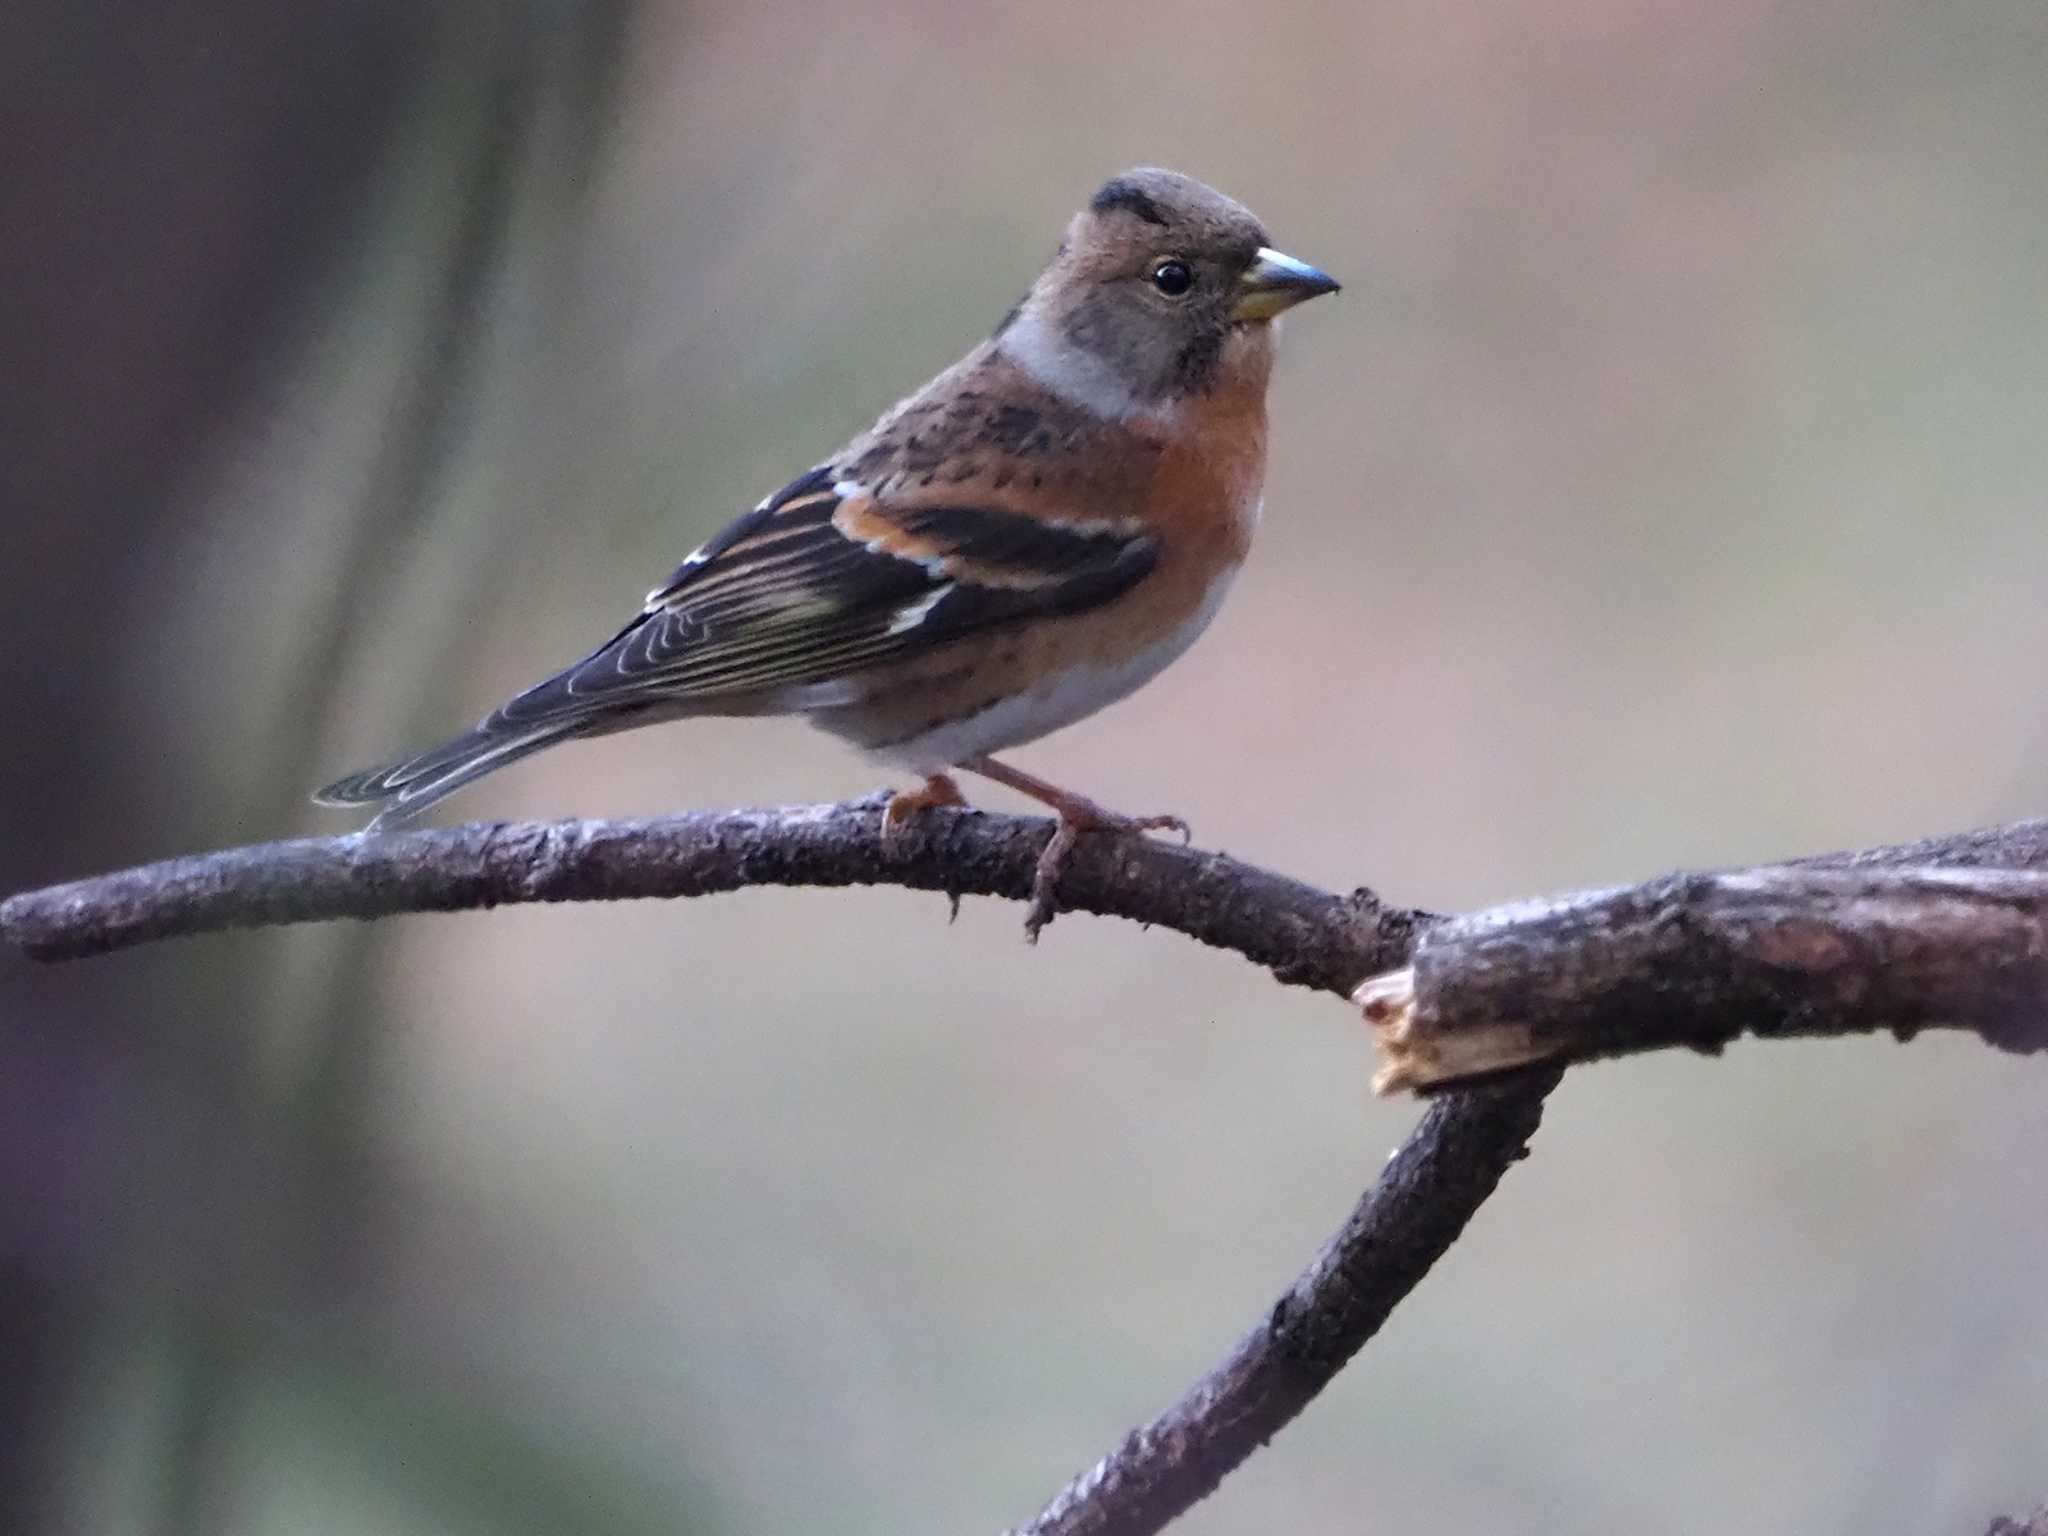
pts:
[1030, 537]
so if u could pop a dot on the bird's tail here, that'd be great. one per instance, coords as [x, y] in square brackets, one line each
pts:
[404, 789]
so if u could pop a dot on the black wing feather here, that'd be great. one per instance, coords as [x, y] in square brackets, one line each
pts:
[781, 599]
[785, 598]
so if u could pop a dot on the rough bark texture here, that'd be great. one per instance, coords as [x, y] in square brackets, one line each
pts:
[1951, 933]
[1403, 1224]
[2035, 1524]
[1305, 936]
[1416, 1209]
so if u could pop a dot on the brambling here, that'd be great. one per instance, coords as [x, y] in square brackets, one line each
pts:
[1031, 536]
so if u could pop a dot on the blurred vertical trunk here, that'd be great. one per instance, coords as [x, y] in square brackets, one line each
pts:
[177, 180]
[173, 177]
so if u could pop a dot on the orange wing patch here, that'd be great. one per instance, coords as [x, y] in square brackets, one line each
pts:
[986, 547]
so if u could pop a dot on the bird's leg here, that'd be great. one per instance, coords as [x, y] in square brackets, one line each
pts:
[937, 789]
[1077, 814]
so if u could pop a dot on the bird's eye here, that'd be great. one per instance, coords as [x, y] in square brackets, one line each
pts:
[1173, 278]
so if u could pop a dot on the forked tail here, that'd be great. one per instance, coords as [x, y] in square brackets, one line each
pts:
[405, 789]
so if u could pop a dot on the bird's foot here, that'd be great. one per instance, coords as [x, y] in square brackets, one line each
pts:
[1077, 817]
[938, 789]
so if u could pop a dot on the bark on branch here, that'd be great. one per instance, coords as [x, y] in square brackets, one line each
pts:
[1890, 938]
[1411, 1214]
[1414, 1212]
[1304, 936]
[2035, 1524]
[1945, 934]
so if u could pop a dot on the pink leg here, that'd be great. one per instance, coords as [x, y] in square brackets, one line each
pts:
[1077, 814]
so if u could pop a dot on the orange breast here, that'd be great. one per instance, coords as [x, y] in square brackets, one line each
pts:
[1204, 496]
[1201, 500]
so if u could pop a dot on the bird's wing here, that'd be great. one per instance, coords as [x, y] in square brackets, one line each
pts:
[823, 580]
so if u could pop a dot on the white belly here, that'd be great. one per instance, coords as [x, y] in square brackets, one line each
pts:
[1055, 703]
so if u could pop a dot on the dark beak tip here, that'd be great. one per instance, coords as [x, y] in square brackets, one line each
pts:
[1314, 283]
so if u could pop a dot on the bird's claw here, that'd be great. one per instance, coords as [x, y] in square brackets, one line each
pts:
[906, 803]
[1066, 837]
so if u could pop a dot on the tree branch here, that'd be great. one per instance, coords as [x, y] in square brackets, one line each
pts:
[1404, 1222]
[2035, 1524]
[1924, 936]
[1427, 1192]
[1889, 938]
[1304, 936]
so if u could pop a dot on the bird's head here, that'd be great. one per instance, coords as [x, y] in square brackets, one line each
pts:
[1162, 289]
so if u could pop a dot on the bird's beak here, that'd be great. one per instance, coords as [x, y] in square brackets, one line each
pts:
[1276, 282]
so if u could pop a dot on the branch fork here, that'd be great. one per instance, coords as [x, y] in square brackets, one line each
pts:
[1851, 946]
[1952, 932]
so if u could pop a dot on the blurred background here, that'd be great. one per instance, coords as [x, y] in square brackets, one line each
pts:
[1664, 489]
